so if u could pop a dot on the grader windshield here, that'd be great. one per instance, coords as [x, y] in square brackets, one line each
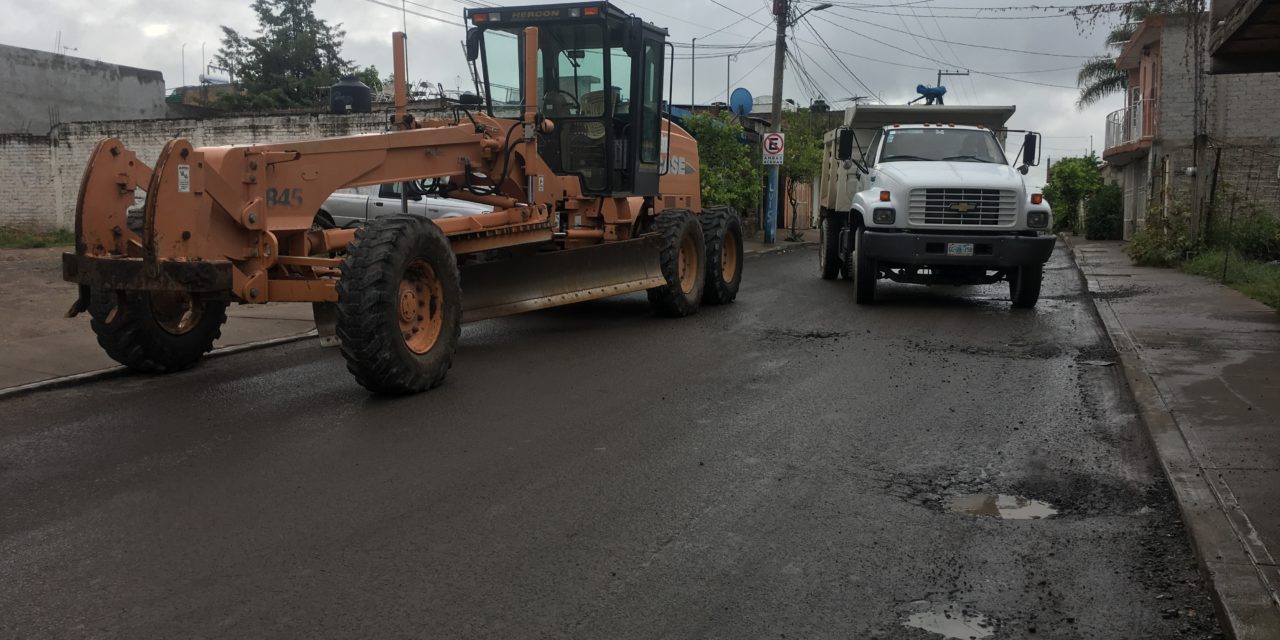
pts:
[599, 80]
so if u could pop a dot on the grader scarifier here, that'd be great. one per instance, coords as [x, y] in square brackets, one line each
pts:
[594, 194]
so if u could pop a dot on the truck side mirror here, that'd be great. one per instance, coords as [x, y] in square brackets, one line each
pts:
[473, 43]
[844, 145]
[1029, 150]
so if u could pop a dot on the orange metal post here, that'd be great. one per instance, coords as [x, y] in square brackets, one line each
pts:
[402, 83]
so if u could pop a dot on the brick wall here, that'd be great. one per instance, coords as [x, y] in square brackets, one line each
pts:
[26, 182]
[40, 175]
[1239, 117]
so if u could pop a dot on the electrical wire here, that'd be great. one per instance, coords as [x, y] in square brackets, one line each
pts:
[838, 60]
[962, 44]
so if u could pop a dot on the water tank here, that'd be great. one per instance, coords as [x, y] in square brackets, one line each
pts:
[350, 96]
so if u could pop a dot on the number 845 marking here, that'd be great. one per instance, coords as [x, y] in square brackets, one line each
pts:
[283, 197]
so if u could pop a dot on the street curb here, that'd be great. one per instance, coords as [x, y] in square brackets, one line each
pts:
[1246, 606]
[110, 372]
[777, 247]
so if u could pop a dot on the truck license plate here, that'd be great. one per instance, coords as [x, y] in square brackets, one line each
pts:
[959, 248]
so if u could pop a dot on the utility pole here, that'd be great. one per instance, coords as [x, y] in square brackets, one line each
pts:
[780, 10]
[693, 70]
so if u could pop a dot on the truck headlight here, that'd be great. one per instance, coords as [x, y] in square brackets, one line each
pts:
[883, 216]
[1037, 219]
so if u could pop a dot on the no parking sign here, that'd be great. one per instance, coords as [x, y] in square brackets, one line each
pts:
[773, 145]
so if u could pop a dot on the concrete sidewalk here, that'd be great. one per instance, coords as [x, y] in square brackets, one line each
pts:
[37, 344]
[1203, 361]
[756, 245]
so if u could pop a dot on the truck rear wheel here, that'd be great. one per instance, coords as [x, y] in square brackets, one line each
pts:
[864, 271]
[399, 305]
[684, 265]
[1024, 285]
[722, 230]
[830, 262]
[155, 331]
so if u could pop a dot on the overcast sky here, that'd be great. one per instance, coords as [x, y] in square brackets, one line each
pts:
[151, 34]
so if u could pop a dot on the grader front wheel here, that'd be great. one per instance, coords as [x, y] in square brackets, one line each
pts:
[399, 305]
[722, 230]
[684, 265]
[155, 331]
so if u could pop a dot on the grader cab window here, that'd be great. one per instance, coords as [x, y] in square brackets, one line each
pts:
[600, 82]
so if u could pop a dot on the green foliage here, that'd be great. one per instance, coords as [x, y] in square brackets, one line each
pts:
[1105, 219]
[1247, 228]
[730, 172]
[1258, 280]
[1165, 240]
[13, 238]
[1071, 181]
[803, 160]
[291, 62]
[369, 76]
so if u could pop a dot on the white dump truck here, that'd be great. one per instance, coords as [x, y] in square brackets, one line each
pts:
[926, 195]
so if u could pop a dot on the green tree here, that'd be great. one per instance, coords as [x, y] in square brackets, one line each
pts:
[803, 159]
[369, 76]
[291, 62]
[729, 170]
[1071, 181]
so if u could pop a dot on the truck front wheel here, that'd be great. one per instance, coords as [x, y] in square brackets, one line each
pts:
[1024, 285]
[829, 259]
[864, 271]
[684, 264]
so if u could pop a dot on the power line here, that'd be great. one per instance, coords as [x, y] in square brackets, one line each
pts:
[421, 15]
[963, 44]
[838, 60]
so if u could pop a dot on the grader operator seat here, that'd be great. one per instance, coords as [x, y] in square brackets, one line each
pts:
[599, 79]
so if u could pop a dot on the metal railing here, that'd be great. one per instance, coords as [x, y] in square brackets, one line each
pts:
[1131, 124]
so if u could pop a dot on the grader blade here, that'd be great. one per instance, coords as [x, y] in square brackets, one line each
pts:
[543, 280]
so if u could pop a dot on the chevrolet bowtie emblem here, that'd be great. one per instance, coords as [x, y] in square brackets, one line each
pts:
[961, 207]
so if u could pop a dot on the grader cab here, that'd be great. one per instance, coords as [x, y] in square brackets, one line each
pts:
[594, 193]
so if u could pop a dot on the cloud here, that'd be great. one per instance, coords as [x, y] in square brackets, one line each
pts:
[155, 30]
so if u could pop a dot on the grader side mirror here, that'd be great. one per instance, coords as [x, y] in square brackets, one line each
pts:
[473, 43]
[844, 145]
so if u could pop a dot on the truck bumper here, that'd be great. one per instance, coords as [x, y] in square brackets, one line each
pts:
[931, 249]
[137, 274]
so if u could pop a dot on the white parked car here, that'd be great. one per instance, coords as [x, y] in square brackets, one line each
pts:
[349, 209]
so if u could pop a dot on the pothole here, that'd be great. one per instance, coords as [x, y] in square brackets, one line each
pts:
[948, 620]
[804, 335]
[1000, 505]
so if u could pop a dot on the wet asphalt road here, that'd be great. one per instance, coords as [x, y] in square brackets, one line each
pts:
[780, 467]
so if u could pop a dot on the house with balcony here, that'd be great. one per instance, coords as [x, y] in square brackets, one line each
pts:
[1185, 137]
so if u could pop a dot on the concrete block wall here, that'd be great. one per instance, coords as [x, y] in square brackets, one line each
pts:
[40, 175]
[42, 89]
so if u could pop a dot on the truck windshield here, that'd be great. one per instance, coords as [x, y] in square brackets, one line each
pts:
[950, 145]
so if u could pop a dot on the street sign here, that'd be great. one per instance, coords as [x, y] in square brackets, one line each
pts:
[773, 146]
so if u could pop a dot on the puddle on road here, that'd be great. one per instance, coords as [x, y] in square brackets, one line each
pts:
[1000, 505]
[948, 620]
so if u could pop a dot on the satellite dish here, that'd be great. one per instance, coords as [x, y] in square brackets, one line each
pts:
[740, 102]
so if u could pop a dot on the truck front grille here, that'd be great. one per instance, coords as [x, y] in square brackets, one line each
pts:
[979, 207]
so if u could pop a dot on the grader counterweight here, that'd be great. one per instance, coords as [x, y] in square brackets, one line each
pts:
[594, 194]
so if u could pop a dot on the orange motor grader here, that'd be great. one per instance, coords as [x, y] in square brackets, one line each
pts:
[594, 193]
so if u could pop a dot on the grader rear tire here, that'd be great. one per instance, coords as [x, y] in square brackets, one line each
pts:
[155, 331]
[399, 305]
[722, 230]
[684, 265]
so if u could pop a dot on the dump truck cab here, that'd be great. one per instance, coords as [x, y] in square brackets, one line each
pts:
[598, 79]
[927, 195]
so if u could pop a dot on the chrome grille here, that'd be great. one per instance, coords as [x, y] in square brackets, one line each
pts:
[978, 207]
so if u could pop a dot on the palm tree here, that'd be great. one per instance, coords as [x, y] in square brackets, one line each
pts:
[1099, 77]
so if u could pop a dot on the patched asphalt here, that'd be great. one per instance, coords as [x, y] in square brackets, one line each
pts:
[786, 466]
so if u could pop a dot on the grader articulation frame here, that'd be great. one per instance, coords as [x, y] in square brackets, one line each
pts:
[594, 194]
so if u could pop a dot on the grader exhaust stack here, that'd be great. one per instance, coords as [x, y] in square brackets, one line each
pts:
[584, 207]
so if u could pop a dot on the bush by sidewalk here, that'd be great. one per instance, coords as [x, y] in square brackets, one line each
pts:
[1105, 209]
[1256, 279]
